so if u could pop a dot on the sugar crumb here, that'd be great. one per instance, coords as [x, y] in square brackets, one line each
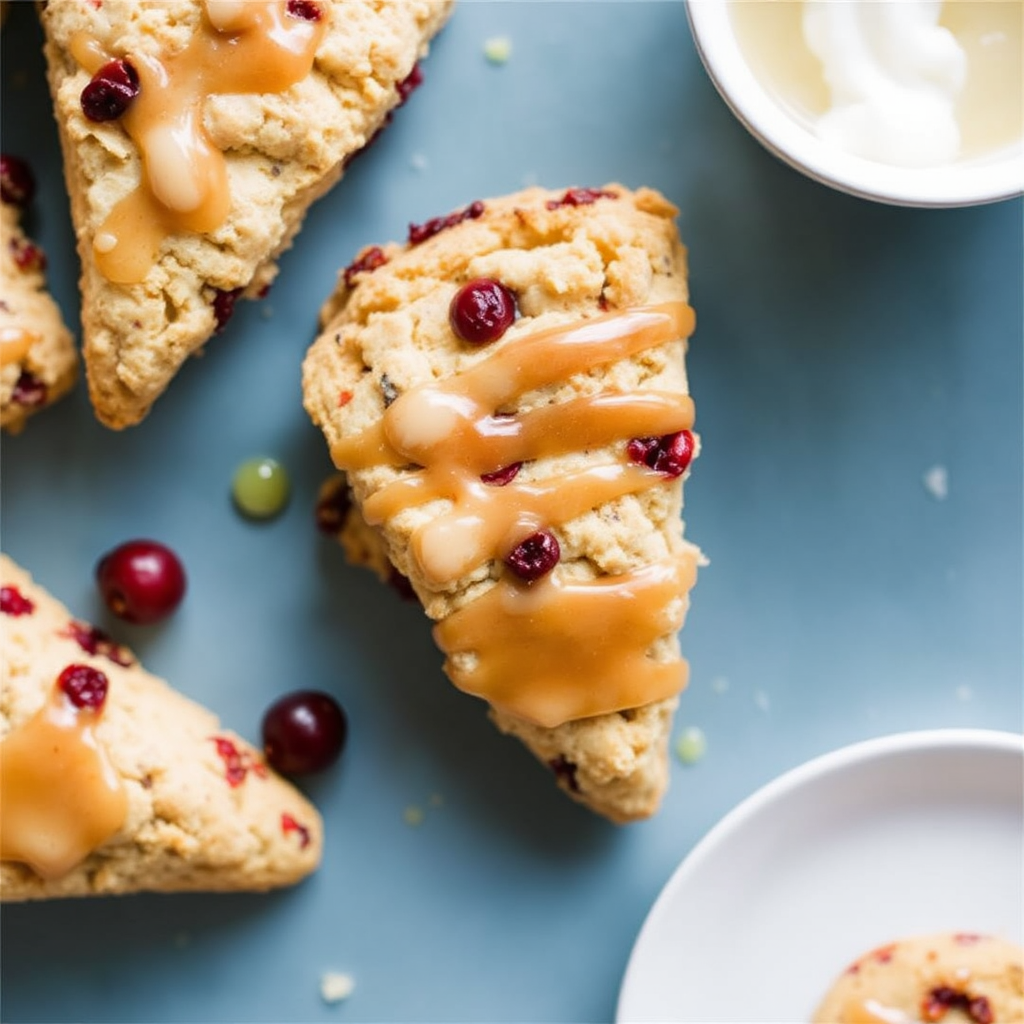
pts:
[936, 482]
[336, 986]
[413, 815]
[691, 745]
[419, 162]
[498, 49]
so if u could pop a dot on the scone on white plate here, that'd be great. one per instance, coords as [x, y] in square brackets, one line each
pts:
[506, 395]
[112, 782]
[196, 134]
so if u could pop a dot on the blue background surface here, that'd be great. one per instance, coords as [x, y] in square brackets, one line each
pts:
[843, 349]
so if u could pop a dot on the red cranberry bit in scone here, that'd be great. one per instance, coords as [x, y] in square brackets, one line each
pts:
[110, 91]
[304, 731]
[29, 390]
[565, 770]
[95, 641]
[141, 581]
[366, 262]
[580, 197]
[289, 824]
[670, 454]
[502, 476]
[333, 508]
[421, 232]
[481, 311]
[27, 255]
[940, 1000]
[534, 557]
[307, 10]
[237, 763]
[84, 686]
[408, 85]
[13, 602]
[224, 306]
[17, 184]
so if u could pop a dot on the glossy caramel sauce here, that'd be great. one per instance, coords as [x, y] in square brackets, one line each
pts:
[560, 648]
[15, 343]
[60, 797]
[250, 47]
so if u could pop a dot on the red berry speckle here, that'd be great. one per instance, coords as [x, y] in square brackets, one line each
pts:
[289, 824]
[29, 390]
[237, 763]
[110, 91]
[580, 197]
[304, 731]
[224, 306]
[17, 183]
[503, 476]
[941, 999]
[408, 85]
[534, 557]
[95, 641]
[27, 255]
[421, 232]
[305, 10]
[141, 581]
[670, 454]
[481, 311]
[13, 602]
[366, 262]
[84, 686]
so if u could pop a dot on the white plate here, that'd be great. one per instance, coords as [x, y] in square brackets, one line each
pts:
[909, 834]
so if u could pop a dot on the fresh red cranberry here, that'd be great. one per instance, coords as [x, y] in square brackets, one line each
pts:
[27, 255]
[333, 508]
[95, 641]
[565, 770]
[84, 686]
[670, 454]
[290, 824]
[941, 999]
[408, 85]
[110, 91]
[29, 390]
[224, 306]
[580, 197]
[306, 10]
[17, 183]
[304, 732]
[366, 262]
[141, 581]
[534, 557]
[14, 602]
[502, 476]
[481, 311]
[421, 232]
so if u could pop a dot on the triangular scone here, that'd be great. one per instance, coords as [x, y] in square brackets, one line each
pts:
[145, 792]
[38, 360]
[573, 424]
[230, 118]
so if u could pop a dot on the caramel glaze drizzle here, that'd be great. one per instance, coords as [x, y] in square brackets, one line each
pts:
[530, 647]
[15, 343]
[241, 47]
[60, 797]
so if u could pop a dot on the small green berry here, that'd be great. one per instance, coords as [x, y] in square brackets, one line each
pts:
[691, 745]
[260, 488]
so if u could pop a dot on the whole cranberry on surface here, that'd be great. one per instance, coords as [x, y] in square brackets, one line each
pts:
[17, 184]
[84, 686]
[142, 581]
[670, 454]
[110, 91]
[482, 311]
[534, 557]
[304, 731]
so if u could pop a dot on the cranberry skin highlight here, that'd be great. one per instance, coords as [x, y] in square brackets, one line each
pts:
[482, 311]
[303, 732]
[142, 581]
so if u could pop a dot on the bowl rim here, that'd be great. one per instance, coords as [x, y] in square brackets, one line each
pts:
[985, 179]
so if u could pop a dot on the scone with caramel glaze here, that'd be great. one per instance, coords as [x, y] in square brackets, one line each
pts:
[506, 395]
[112, 782]
[196, 133]
[38, 359]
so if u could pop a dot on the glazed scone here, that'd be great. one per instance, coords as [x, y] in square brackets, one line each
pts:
[38, 360]
[961, 976]
[220, 123]
[506, 394]
[112, 782]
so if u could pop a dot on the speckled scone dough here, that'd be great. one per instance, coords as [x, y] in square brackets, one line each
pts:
[199, 817]
[386, 329]
[38, 360]
[954, 976]
[283, 151]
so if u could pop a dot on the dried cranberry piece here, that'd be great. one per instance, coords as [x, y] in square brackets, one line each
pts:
[95, 641]
[224, 306]
[237, 763]
[481, 311]
[27, 255]
[580, 197]
[289, 824]
[534, 557]
[29, 390]
[17, 184]
[306, 10]
[366, 262]
[408, 85]
[13, 602]
[670, 454]
[421, 232]
[84, 686]
[565, 770]
[110, 91]
[333, 508]
[943, 998]
[503, 476]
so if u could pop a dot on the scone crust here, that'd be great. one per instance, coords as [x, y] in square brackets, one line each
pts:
[283, 151]
[188, 827]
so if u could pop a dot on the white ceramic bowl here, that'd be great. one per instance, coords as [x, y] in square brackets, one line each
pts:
[996, 176]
